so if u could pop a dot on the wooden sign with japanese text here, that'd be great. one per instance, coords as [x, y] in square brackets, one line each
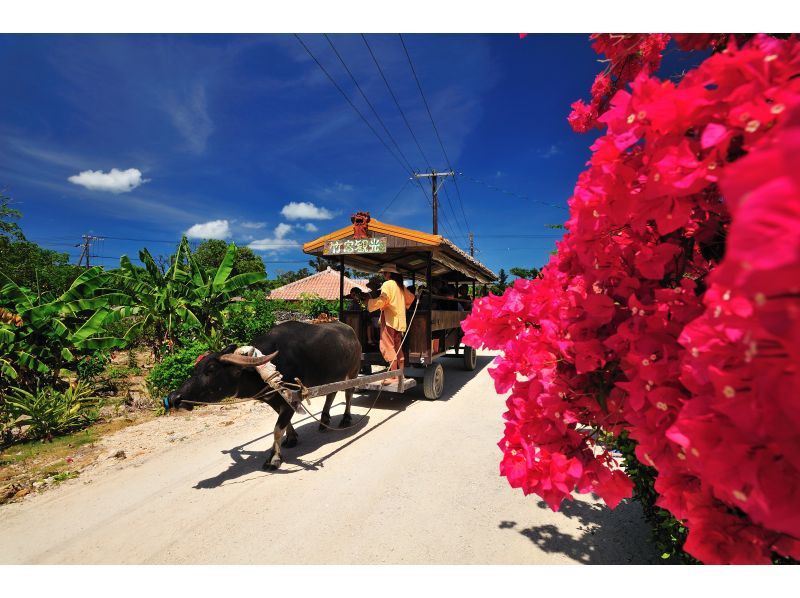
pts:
[355, 246]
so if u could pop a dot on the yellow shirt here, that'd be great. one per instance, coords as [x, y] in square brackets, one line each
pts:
[393, 302]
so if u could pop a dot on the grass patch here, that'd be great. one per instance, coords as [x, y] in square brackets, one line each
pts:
[35, 460]
[119, 371]
[65, 475]
[60, 447]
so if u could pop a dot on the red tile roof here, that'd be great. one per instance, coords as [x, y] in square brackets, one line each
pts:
[324, 284]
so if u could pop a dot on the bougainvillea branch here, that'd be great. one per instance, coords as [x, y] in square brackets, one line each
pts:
[671, 309]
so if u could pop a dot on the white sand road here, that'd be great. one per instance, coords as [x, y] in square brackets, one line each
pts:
[417, 483]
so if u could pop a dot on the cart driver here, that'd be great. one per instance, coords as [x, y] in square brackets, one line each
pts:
[393, 301]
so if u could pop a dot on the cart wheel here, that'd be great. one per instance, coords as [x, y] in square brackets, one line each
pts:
[470, 358]
[433, 383]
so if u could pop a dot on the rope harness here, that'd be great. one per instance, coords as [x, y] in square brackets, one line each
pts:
[275, 383]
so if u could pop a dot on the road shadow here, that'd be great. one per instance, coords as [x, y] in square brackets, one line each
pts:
[606, 537]
[246, 459]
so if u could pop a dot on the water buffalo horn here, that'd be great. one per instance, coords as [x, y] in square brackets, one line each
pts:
[247, 361]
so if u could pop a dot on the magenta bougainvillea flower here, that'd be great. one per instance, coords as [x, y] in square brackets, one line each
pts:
[671, 309]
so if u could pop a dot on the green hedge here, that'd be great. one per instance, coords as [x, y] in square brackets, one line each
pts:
[174, 369]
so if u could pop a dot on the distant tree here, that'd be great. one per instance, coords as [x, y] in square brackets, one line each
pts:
[501, 285]
[285, 278]
[28, 264]
[529, 273]
[209, 255]
[320, 264]
[8, 228]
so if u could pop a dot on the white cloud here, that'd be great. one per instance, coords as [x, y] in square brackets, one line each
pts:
[114, 181]
[215, 229]
[338, 188]
[551, 151]
[189, 115]
[277, 242]
[282, 230]
[305, 211]
[253, 224]
[311, 227]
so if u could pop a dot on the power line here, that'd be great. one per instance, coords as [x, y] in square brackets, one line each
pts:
[396, 102]
[435, 128]
[389, 205]
[143, 240]
[363, 95]
[277, 242]
[453, 212]
[518, 195]
[445, 223]
[349, 101]
[516, 237]
[353, 106]
[377, 116]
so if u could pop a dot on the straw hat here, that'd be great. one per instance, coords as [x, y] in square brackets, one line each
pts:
[391, 268]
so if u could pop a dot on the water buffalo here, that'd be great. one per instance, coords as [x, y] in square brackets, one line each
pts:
[314, 353]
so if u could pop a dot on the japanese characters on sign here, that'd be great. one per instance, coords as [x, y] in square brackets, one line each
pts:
[351, 246]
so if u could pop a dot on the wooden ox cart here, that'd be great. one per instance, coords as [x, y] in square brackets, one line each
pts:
[435, 332]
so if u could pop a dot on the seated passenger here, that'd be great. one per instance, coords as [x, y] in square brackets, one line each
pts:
[463, 293]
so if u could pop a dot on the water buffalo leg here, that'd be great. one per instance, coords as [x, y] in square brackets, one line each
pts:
[274, 460]
[291, 437]
[348, 398]
[326, 412]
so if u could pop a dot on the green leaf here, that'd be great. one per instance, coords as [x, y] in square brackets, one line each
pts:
[6, 335]
[102, 342]
[7, 370]
[243, 280]
[32, 363]
[92, 326]
[225, 267]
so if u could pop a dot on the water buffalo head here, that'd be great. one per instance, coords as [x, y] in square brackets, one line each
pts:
[218, 376]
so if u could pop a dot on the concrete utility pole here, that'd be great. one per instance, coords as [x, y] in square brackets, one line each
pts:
[472, 244]
[435, 193]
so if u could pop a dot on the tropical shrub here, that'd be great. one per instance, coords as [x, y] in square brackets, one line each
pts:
[92, 365]
[314, 305]
[174, 369]
[249, 318]
[671, 311]
[47, 412]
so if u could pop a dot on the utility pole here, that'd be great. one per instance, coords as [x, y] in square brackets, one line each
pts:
[472, 244]
[435, 193]
[86, 244]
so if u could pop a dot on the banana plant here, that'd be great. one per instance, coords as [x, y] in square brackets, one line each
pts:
[212, 290]
[156, 300]
[47, 333]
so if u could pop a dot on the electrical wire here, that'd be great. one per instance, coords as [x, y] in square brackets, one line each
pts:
[433, 123]
[396, 102]
[352, 105]
[363, 95]
[518, 195]
[389, 205]
[452, 210]
[349, 101]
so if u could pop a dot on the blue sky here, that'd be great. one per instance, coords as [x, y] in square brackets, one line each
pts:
[147, 137]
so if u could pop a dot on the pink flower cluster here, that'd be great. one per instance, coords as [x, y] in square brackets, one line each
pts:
[672, 307]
